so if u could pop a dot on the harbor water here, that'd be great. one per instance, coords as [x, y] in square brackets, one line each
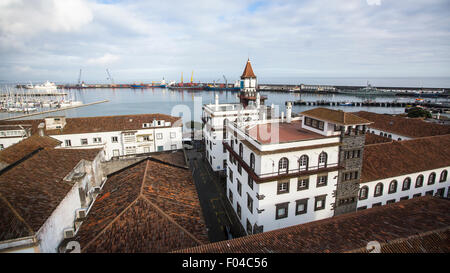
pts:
[188, 103]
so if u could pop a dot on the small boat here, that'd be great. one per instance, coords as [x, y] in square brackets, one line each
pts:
[345, 104]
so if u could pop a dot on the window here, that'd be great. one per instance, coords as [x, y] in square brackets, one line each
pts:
[283, 187]
[147, 138]
[114, 139]
[249, 227]
[238, 210]
[283, 165]
[250, 182]
[239, 187]
[362, 208]
[376, 205]
[84, 141]
[239, 168]
[323, 159]
[301, 206]
[230, 196]
[378, 190]
[159, 136]
[302, 184]
[173, 146]
[393, 186]
[308, 121]
[173, 135]
[443, 176]
[68, 143]
[116, 152]
[252, 161]
[129, 137]
[363, 193]
[406, 184]
[390, 201]
[97, 140]
[417, 195]
[249, 203]
[322, 180]
[130, 150]
[241, 150]
[303, 162]
[281, 210]
[419, 181]
[230, 172]
[404, 198]
[440, 192]
[431, 178]
[319, 203]
[429, 193]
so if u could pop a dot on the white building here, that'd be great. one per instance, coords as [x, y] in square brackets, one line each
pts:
[45, 196]
[285, 172]
[117, 135]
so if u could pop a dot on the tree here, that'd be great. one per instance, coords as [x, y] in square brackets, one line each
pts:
[417, 112]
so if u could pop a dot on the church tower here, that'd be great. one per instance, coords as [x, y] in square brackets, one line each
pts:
[249, 86]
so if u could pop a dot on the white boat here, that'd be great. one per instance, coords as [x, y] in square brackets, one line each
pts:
[46, 86]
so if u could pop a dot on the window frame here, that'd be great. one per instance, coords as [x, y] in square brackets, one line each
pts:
[279, 206]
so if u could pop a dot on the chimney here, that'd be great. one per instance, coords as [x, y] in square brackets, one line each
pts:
[216, 100]
[282, 116]
[41, 127]
[289, 112]
[258, 100]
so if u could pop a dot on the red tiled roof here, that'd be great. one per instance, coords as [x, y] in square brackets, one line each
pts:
[19, 150]
[31, 189]
[374, 139]
[335, 116]
[151, 206]
[111, 123]
[397, 158]
[409, 127]
[248, 71]
[353, 231]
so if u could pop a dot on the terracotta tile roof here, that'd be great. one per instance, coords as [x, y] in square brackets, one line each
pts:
[174, 157]
[151, 206]
[374, 139]
[111, 123]
[349, 232]
[19, 150]
[31, 189]
[31, 124]
[272, 133]
[409, 127]
[335, 116]
[248, 71]
[384, 160]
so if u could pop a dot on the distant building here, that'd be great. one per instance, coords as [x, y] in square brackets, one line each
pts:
[407, 227]
[117, 135]
[402, 128]
[45, 195]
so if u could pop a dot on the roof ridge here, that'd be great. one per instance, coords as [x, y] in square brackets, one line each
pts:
[410, 140]
[122, 116]
[27, 156]
[167, 163]
[13, 210]
[127, 167]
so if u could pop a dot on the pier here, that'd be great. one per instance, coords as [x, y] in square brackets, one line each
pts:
[434, 107]
[55, 110]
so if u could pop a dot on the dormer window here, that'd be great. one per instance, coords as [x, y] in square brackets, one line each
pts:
[146, 125]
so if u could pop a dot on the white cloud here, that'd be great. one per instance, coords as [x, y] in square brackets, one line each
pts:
[104, 60]
[373, 2]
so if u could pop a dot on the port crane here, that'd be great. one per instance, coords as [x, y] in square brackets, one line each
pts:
[226, 82]
[109, 77]
[79, 78]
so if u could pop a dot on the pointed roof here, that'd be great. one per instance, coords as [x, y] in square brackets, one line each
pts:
[248, 71]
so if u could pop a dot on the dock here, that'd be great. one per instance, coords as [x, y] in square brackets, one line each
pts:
[434, 107]
[55, 110]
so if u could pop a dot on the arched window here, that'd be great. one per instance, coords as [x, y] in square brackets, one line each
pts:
[393, 186]
[252, 161]
[431, 178]
[443, 177]
[389, 136]
[406, 184]
[323, 160]
[241, 150]
[283, 165]
[378, 190]
[419, 181]
[363, 193]
[303, 162]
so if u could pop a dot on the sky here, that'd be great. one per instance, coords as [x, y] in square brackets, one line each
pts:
[150, 40]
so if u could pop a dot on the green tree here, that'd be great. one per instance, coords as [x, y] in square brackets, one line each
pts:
[417, 112]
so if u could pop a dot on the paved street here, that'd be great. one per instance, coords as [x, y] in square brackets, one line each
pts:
[218, 214]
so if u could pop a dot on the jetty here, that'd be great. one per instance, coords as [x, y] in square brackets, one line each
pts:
[55, 110]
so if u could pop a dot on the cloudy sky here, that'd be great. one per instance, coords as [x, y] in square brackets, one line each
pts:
[148, 40]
